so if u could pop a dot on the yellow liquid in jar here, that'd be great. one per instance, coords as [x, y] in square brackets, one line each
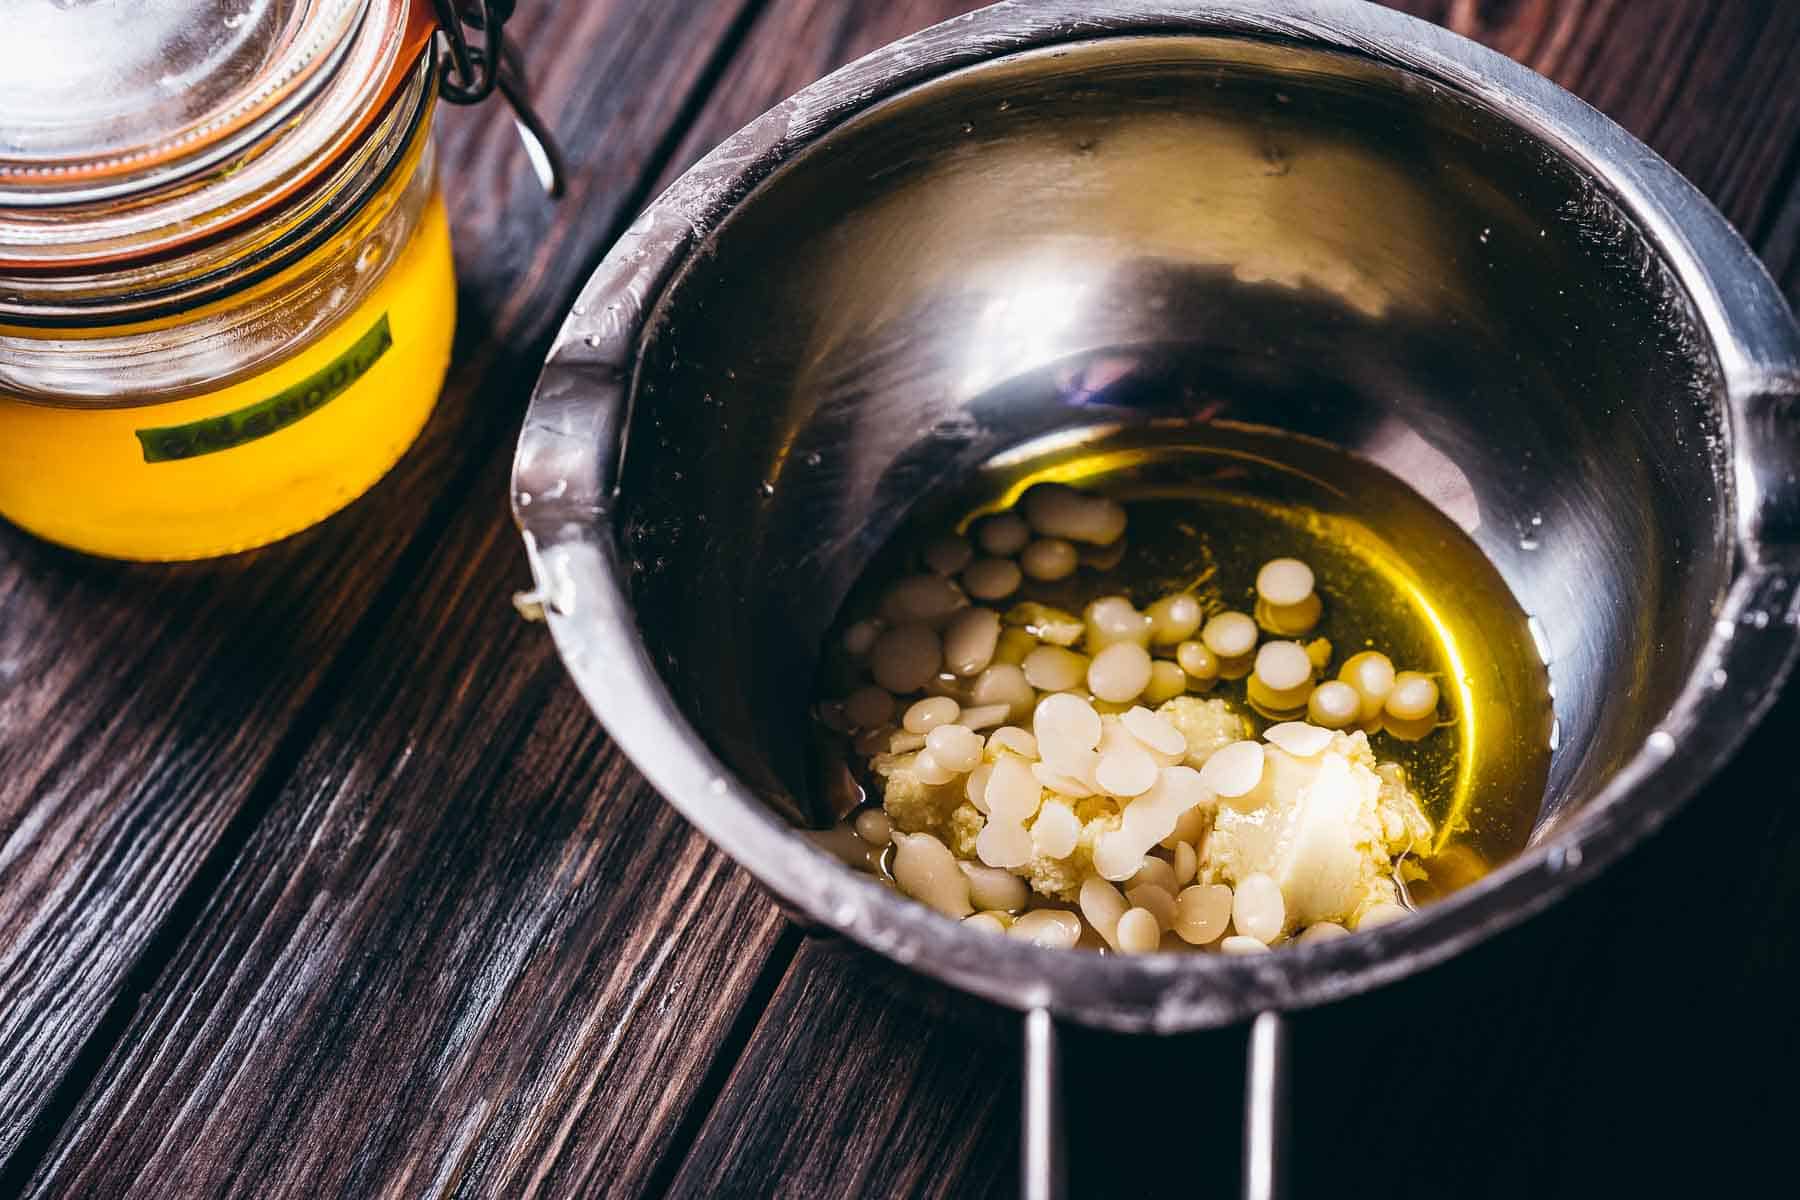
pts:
[82, 477]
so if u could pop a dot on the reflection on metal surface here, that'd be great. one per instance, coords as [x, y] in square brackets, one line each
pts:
[1431, 473]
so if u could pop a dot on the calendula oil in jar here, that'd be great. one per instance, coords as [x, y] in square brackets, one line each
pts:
[226, 290]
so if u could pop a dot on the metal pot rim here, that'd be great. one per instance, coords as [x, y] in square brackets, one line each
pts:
[565, 475]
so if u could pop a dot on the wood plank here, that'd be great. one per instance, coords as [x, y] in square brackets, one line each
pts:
[859, 1081]
[1559, 1059]
[1780, 246]
[141, 708]
[467, 952]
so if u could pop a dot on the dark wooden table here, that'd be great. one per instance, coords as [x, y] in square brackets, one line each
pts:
[317, 879]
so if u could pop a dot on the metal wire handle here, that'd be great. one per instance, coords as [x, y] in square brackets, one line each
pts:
[472, 74]
[1043, 1169]
[476, 68]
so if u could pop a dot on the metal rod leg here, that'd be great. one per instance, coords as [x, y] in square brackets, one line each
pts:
[1266, 1109]
[1041, 1140]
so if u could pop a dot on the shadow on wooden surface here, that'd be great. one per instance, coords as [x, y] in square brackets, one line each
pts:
[863, 1080]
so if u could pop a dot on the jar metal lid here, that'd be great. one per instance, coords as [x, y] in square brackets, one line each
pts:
[137, 127]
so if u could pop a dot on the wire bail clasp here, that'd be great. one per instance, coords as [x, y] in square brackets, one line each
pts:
[475, 68]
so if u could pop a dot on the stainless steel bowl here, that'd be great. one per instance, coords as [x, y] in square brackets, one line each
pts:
[1324, 217]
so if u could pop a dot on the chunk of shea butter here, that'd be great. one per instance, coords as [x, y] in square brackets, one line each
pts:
[1315, 829]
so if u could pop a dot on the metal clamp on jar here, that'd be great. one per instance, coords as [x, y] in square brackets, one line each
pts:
[226, 290]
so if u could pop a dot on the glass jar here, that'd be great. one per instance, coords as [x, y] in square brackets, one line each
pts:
[226, 291]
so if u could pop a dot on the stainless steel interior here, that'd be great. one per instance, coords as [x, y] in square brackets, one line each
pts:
[1233, 231]
[1330, 221]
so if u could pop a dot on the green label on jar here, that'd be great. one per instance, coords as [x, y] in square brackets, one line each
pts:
[286, 407]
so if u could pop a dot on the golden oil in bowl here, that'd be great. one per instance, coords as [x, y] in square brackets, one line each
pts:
[1207, 507]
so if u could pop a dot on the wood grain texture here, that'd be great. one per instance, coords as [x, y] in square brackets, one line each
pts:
[147, 712]
[467, 952]
[858, 1081]
[321, 859]
[794, 43]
